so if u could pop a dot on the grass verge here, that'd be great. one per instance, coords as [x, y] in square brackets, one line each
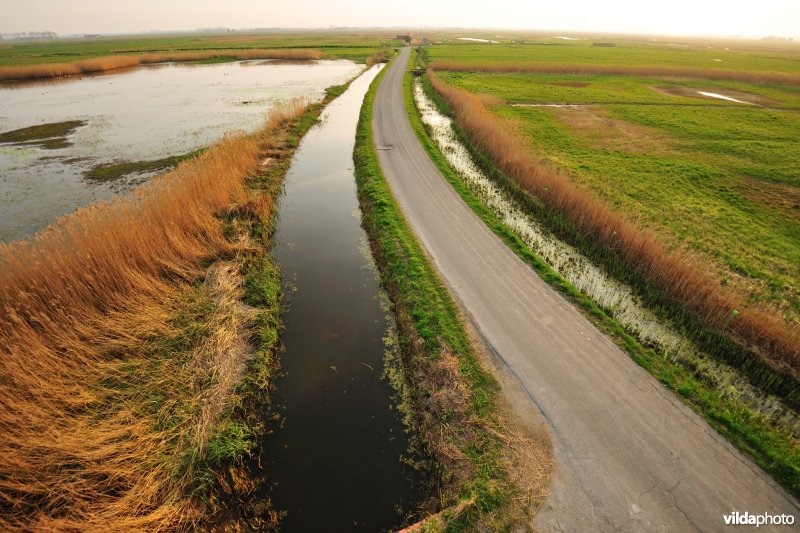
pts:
[452, 401]
[773, 448]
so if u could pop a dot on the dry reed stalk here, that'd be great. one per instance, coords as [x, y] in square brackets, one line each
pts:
[106, 63]
[682, 278]
[99, 416]
[780, 78]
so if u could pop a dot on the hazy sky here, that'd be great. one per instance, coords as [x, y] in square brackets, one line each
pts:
[680, 17]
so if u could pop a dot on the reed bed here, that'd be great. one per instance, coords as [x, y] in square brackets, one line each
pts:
[109, 351]
[652, 71]
[106, 63]
[678, 276]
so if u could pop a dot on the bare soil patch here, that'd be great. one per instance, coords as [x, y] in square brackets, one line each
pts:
[600, 130]
[781, 196]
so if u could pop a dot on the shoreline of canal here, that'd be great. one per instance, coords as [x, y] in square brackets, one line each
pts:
[336, 440]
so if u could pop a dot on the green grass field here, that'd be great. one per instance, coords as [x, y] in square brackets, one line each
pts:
[354, 46]
[773, 447]
[721, 177]
[718, 55]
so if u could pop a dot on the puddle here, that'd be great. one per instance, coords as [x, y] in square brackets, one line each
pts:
[335, 462]
[141, 114]
[722, 97]
[737, 97]
[476, 40]
[625, 306]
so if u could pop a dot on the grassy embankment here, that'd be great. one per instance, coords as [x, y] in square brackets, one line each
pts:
[134, 336]
[45, 59]
[773, 447]
[450, 399]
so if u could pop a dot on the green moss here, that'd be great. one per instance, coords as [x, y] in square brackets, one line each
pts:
[50, 136]
[115, 171]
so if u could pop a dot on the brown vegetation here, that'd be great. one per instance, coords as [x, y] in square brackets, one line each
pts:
[381, 56]
[114, 362]
[105, 63]
[600, 129]
[675, 274]
[649, 71]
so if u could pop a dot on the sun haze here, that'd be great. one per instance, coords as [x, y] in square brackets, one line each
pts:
[679, 17]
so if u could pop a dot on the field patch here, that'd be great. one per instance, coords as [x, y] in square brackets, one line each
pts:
[602, 130]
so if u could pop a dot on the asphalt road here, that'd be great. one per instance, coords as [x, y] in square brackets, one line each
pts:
[630, 456]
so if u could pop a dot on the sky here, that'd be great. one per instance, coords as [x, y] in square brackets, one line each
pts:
[667, 17]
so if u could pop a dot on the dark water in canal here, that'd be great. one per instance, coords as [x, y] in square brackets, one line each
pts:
[335, 464]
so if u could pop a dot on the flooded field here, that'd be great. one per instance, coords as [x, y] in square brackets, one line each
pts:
[619, 299]
[334, 464]
[139, 115]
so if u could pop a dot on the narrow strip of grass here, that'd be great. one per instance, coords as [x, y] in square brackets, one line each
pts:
[775, 449]
[431, 333]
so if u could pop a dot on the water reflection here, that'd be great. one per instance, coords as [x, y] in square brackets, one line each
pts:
[139, 114]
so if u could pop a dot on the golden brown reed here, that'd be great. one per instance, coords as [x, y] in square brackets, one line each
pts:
[780, 78]
[89, 391]
[105, 63]
[682, 278]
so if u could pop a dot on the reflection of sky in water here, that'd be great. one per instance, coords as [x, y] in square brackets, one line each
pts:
[721, 97]
[141, 114]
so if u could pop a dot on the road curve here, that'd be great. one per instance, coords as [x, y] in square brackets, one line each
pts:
[630, 456]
